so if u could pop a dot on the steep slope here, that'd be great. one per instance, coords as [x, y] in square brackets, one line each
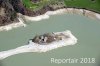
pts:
[7, 13]
[10, 8]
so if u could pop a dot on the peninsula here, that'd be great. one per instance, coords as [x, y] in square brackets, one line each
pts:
[43, 43]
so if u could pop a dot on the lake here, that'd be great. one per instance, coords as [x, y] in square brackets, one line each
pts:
[85, 29]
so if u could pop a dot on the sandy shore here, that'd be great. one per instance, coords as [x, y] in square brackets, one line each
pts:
[13, 25]
[84, 12]
[23, 18]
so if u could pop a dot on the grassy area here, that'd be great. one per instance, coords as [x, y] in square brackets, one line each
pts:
[35, 6]
[31, 5]
[88, 4]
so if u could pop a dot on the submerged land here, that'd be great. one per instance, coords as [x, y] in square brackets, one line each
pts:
[10, 9]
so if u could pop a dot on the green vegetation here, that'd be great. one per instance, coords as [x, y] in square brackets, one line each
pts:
[35, 6]
[31, 5]
[87, 4]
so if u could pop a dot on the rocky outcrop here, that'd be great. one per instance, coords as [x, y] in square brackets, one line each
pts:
[7, 13]
[48, 38]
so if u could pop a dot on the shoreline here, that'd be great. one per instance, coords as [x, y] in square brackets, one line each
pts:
[13, 25]
[83, 12]
[22, 18]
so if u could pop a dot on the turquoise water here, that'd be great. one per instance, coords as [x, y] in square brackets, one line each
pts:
[85, 29]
